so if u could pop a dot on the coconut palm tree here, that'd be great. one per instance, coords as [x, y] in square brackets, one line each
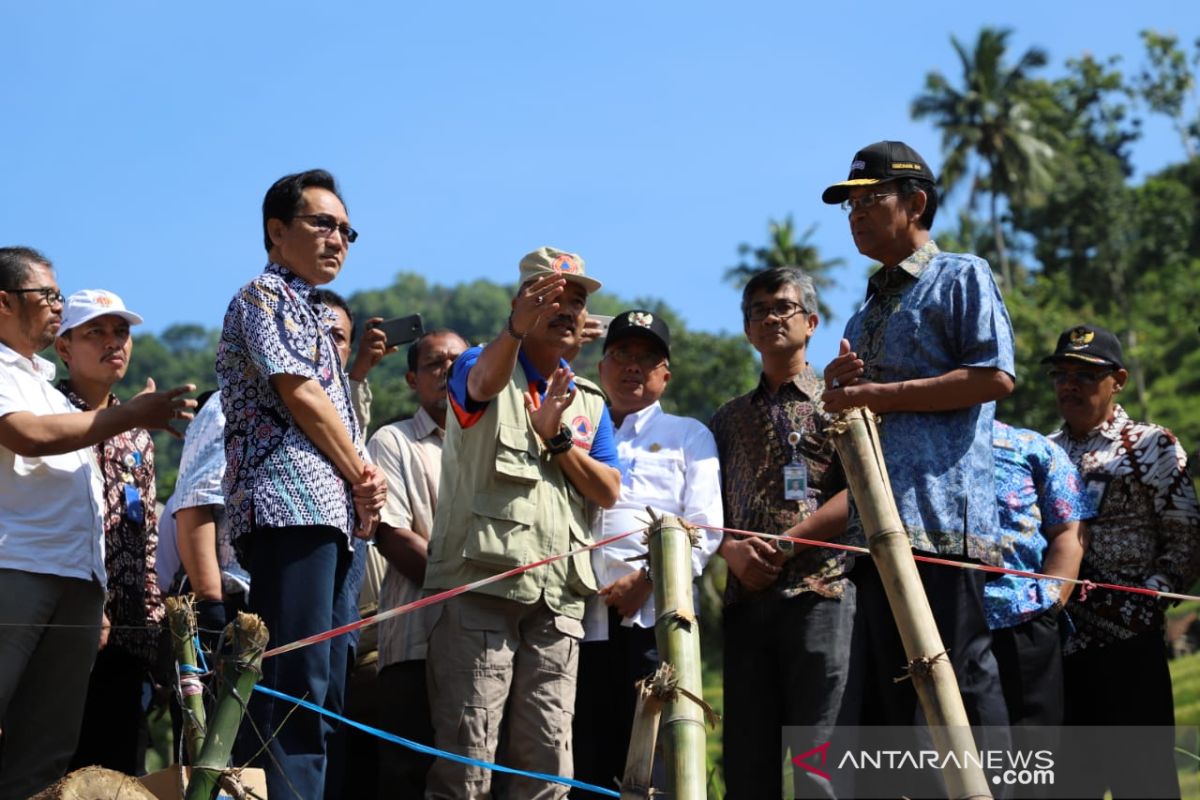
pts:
[988, 123]
[784, 249]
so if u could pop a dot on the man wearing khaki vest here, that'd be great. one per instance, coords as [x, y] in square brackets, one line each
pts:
[527, 447]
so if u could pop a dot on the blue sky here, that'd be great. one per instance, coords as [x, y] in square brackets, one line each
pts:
[651, 138]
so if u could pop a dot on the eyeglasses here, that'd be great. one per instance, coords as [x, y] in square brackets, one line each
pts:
[647, 360]
[1061, 376]
[783, 309]
[866, 201]
[326, 225]
[49, 295]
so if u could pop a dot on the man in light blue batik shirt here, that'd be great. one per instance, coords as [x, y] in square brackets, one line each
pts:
[930, 350]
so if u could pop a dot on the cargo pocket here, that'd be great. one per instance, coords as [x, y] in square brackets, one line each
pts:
[580, 578]
[516, 458]
[501, 530]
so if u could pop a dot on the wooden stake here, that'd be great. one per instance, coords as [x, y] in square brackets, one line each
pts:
[240, 671]
[857, 441]
[181, 618]
[678, 637]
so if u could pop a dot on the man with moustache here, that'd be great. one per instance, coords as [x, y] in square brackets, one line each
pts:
[94, 342]
[51, 502]
[669, 464]
[528, 446]
[297, 488]
[930, 351]
[409, 454]
[789, 614]
[1146, 532]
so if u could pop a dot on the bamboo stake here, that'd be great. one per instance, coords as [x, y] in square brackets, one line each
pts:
[181, 618]
[639, 761]
[678, 638]
[857, 441]
[241, 666]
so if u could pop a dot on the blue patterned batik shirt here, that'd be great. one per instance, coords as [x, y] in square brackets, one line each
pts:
[933, 313]
[1037, 487]
[274, 475]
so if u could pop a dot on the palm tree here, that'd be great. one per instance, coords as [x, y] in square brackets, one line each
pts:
[785, 250]
[989, 120]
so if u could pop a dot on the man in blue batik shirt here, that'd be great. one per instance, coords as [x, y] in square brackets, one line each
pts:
[1041, 502]
[930, 351]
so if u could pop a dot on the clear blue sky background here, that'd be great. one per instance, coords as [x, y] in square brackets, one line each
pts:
[139, 137]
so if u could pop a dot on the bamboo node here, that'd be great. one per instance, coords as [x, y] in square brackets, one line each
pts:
[664, 685]
[922, 667]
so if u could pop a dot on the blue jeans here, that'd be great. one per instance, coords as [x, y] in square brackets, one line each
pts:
[299, 586]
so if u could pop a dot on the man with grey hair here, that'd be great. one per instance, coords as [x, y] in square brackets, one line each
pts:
[52, 559]
[789, 614]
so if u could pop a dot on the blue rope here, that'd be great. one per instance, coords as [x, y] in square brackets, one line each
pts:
[200, 653]
[431, 751]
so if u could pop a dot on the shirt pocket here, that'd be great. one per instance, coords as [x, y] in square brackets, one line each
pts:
[657, 479]
[501, 532]
[515, 458]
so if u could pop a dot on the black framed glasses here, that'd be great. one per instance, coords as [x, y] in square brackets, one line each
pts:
[326, 225]
[1082, 378]
[648, 360]
[783, 309]
[49, 295]
[866, 201]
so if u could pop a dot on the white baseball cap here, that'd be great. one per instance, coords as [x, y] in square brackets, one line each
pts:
[87, 304]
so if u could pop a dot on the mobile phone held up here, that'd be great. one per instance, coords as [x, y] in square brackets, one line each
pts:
[402, 330]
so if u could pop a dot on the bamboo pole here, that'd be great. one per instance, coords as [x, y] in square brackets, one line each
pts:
[652, 696]
[678, 637]
[857, 441]
[181, 618]
[241, 666]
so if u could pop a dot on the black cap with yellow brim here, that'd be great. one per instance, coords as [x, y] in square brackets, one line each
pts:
[879, 163]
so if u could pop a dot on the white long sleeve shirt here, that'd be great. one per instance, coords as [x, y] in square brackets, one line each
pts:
[670, 464]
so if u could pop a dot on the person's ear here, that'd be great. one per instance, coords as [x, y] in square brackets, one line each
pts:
[916, 204]
[275, 230]
[411, 378]
[62, 346]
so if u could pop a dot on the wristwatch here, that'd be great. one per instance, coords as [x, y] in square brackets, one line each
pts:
[560, 442]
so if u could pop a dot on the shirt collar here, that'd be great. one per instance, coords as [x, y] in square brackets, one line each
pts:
[906, 271]
[37, 365]
[640, 419]
[294, 281]
[532, 376]
[425, 425]
[807, 383]
[64, 386]
[1109, 429]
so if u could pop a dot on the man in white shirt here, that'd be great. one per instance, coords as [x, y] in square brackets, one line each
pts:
[51, 534]
[670, 464]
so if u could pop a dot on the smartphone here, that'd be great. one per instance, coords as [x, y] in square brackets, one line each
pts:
[402, 330]
[604, 321]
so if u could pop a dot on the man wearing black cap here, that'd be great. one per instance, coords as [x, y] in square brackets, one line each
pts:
[930, 350]
[668, 463]
[1146, 533]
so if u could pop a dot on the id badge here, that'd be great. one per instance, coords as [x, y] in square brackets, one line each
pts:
[795, 481]
[134, 511]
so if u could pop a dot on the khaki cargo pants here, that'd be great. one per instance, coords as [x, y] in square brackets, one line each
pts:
[493, 664]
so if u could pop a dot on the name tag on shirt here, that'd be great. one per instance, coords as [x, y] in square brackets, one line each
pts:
[795, 481]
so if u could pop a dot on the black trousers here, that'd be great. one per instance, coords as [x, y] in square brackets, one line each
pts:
[1031, 670]
[1123, 684]
[114, 719]
[605, 700]
[403, 709]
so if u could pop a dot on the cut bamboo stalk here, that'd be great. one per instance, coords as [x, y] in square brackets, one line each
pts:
[652, 694]
[678, 637]
[241, 667]
[856, 438]
[93, 783]
[181, 618]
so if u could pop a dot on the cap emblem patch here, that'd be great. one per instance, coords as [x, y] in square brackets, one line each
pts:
[566, 264]
[1081, 338]
[641, 318]
[103, 300]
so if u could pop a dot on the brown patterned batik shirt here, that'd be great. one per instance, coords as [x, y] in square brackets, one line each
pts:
[1147, 524]
[134, 605]
[751, 433]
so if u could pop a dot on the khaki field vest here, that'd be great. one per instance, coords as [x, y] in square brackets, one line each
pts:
[503, 502]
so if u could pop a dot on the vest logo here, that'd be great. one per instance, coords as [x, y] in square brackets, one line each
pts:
[582, 429]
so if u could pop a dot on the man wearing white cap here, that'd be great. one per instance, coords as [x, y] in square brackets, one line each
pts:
[52, 560]
[95, 343]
